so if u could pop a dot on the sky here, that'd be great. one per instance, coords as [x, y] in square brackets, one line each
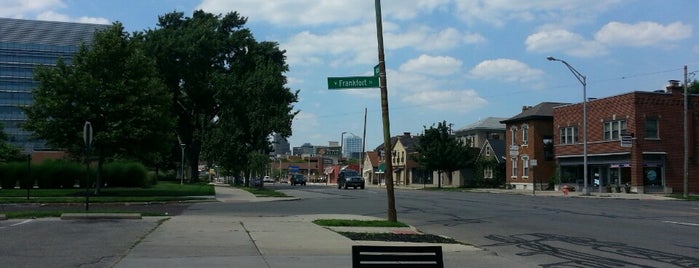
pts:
[456, 61]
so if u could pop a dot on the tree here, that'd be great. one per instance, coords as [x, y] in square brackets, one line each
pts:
[440, 151]
[693, 87]
[113, 85]
[8, 152]
[228, 89]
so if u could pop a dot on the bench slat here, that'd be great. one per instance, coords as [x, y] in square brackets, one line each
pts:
[396, 256]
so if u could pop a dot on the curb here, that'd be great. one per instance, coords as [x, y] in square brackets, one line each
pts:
[3, 217]
[100, 216]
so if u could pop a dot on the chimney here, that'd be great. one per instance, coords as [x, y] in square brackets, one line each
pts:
[524, 108]
[406, 134]
[673, 87]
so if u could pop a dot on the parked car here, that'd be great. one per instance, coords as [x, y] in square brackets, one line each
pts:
[350, 178]
[298, 179]
[268, 179]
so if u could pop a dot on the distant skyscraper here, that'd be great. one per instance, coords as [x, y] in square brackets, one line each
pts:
[24, 45]
[281, 145]
[352, 147]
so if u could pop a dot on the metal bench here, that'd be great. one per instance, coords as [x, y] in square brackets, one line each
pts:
[397, 256]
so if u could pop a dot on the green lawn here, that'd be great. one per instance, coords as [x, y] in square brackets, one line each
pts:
[358, 223]
[263, 192]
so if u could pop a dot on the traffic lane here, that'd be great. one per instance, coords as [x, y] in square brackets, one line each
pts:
[51, 242]
[547, 230]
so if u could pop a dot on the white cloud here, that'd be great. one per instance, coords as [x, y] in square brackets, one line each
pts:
[432, 65]
[447, 100]
[19, 8]
[500, 12]
[53, 16]
[306, 119]
[314, 12]
[508, 70]
[642, 34]
[565, 42]
[425, 38]
[344, 46]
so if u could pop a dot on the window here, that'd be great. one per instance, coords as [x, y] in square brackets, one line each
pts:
[514, 167]
[569, 135]
[614, 129]
[525, 134]
[487, 151]
[651, 128]
[488, 172]
[548, 148]
[513, 135]
[525, 166]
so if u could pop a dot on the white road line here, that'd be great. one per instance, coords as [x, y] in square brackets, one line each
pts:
[22, 222]
[682, 223]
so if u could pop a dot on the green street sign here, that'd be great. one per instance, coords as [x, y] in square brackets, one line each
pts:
[376, 70]
[353, 82]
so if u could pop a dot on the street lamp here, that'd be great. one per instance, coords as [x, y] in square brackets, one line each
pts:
[583, 81]
[182, 145]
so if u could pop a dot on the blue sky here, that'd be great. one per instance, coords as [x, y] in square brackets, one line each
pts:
[454, 61]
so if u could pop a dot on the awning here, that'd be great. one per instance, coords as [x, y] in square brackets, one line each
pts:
[381, 169]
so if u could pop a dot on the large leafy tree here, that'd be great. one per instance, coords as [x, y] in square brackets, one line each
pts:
[7, 151]
[228, 89]
[113, 85]
[440, 151]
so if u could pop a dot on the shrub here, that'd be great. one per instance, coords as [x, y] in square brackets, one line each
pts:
[7, 181]
[58, 173]
[124, 174]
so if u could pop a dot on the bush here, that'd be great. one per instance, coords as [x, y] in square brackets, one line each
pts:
[58, 173]
[125, 174]
[7, 178]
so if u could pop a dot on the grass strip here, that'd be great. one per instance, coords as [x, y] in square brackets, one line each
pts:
[391, 237]
[358, 223]
[263, 192]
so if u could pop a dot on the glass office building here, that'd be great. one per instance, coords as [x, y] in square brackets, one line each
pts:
[24, 45]
[352, 147]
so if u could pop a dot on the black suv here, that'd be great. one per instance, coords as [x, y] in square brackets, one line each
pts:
[350, 178]
[298, 179]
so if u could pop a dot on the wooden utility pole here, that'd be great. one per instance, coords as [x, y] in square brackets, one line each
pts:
[384, 114]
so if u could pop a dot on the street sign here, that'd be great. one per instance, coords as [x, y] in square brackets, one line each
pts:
[376, 70]
[626, 141]
[353, 82]
[514, 150]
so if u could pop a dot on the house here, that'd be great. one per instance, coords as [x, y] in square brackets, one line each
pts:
[490, 164]
[370, 168]
[406, 170]
[636, 138]
[528, 139]
[482, 130]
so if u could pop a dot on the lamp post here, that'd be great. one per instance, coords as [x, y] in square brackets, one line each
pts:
[182, 145]
[583, 81]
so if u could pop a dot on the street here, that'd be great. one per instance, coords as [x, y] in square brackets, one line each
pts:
[533, 231]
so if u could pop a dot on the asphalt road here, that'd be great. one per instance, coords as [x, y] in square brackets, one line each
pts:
[533, 231]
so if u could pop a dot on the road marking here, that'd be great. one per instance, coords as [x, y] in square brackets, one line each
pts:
[22, 222]
[682, 223]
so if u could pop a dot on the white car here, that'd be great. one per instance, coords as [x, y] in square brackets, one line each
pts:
[267, 179]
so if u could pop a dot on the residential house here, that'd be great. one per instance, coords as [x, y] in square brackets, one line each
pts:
[637, 138]
[490, 165]
[370, 168]
[479, 132]
[528, 140]
[405, 169]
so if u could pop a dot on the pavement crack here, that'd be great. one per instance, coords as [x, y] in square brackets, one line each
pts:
[255, 244]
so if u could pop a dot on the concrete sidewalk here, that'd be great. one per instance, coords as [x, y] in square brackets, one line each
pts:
[225, 241]
[228, 241]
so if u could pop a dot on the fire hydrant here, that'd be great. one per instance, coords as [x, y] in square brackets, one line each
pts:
[565, 190]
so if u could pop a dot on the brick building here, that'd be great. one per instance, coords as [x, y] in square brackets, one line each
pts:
[635, 138]
[529, 139]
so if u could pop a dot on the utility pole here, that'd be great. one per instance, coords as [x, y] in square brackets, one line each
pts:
[392, 216]
[686, 138]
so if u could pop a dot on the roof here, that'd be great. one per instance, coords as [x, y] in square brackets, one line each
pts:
[373, 158]
[47, 32]
[489, 123]
[542, 110]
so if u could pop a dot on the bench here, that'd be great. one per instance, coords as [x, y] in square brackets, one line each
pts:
[396, 256]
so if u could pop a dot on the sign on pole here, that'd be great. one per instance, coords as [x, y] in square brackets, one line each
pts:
[626, 141]
[353, 82]
[87, 134]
